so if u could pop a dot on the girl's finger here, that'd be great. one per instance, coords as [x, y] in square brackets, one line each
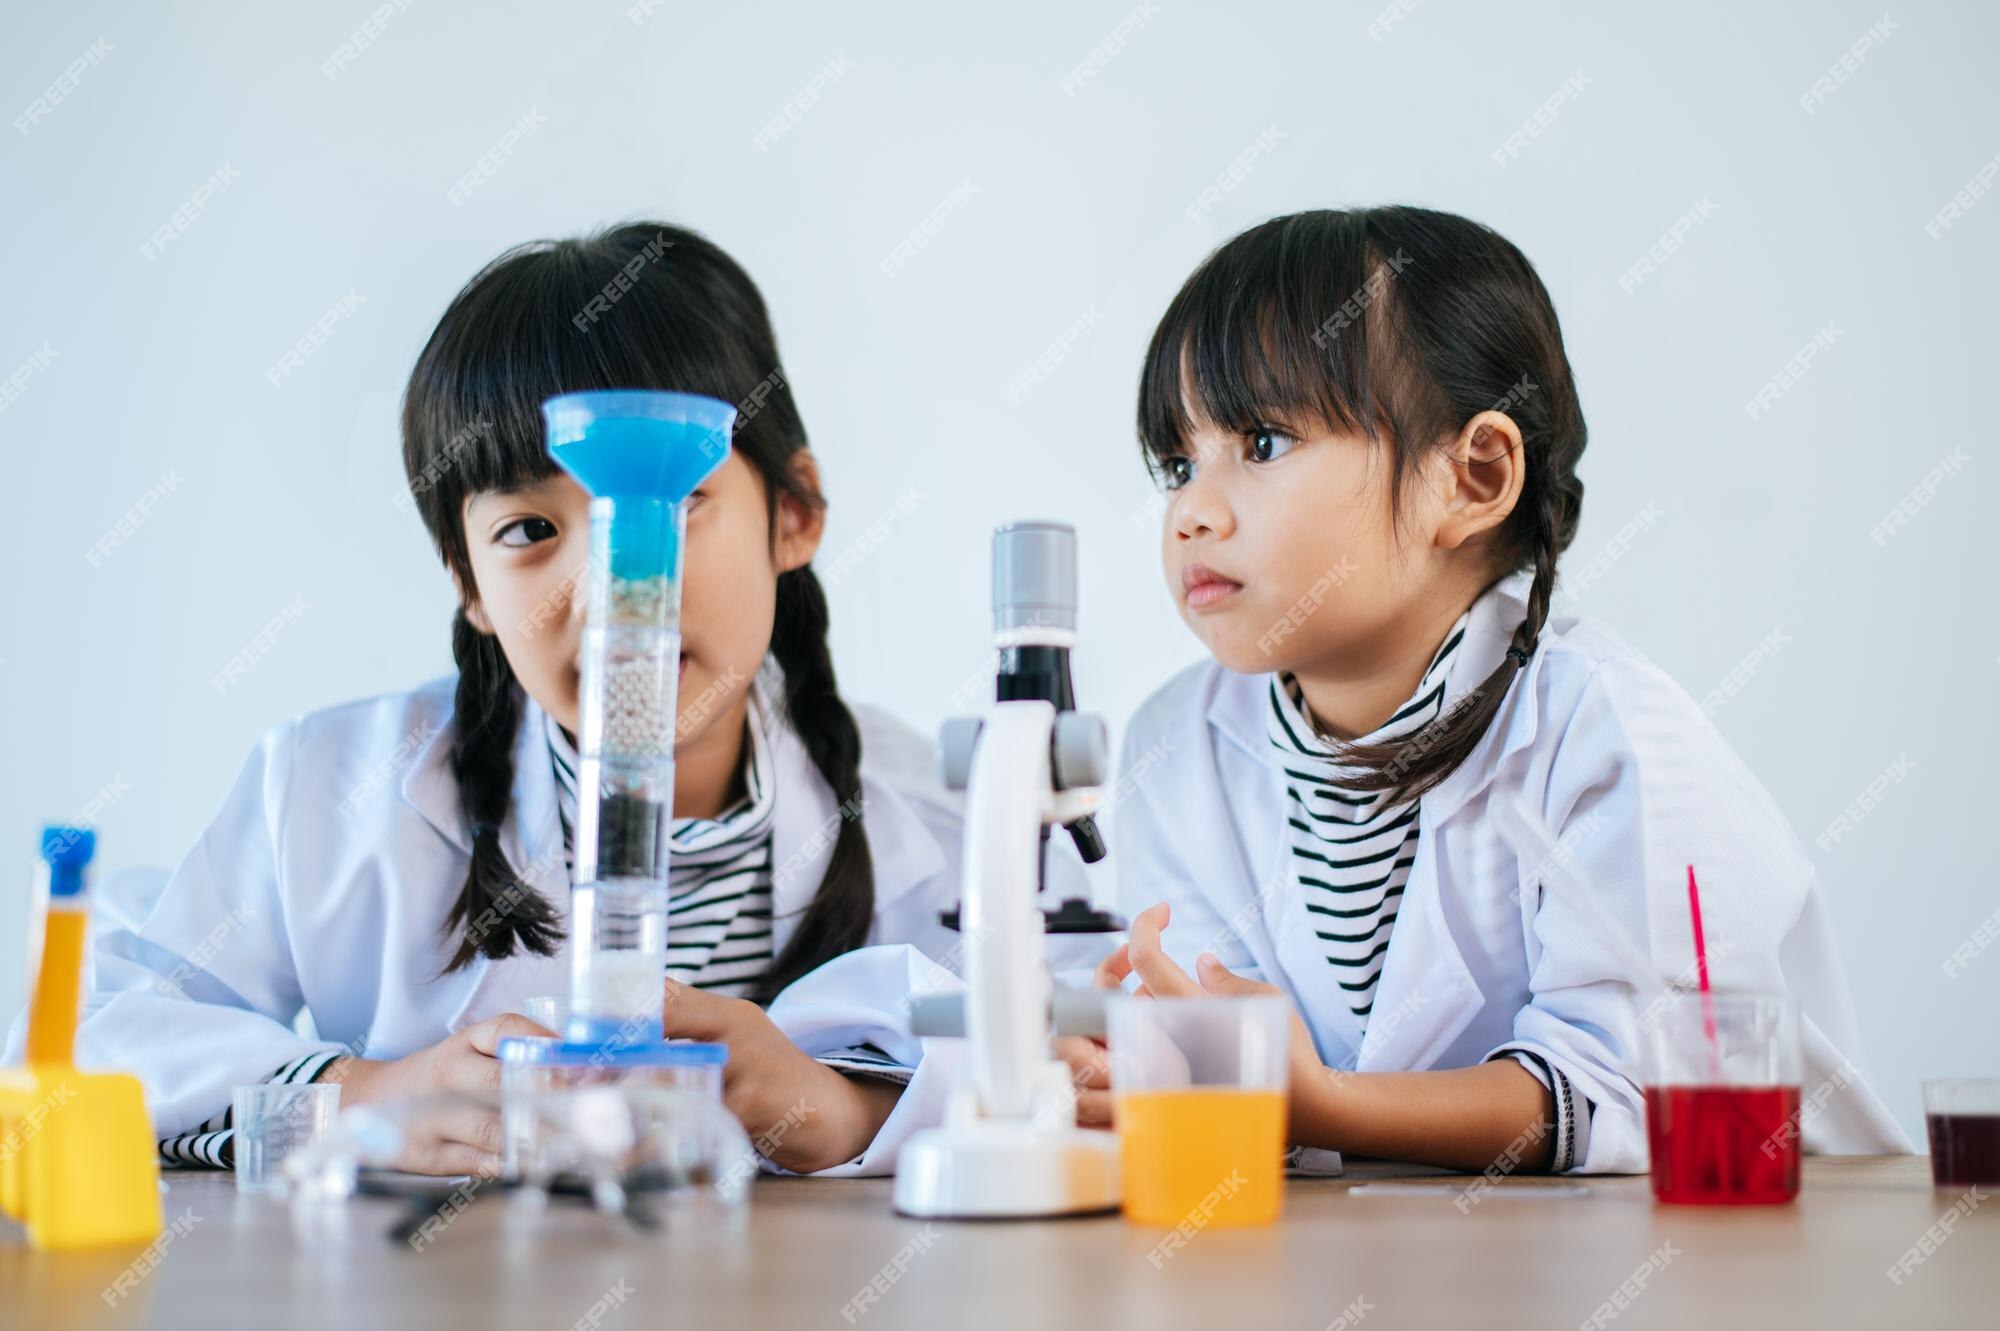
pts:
[485, 1036]
[444, 1158]
[470, 1072]
[469, 1126]
[1070, 1049]
[1093, 1109]
[1162, 975]
[1089, 1066]
[1111, 971]
[696, 1014]
[1148, 923]
[1219, 979]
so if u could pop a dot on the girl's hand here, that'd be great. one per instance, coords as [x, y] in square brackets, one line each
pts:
[1309, 1081]
[1460, 1118]
[462, 1139]
[1089, 1068]
[800, 1113]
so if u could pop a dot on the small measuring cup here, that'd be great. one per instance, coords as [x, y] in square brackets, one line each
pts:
[272, 1120]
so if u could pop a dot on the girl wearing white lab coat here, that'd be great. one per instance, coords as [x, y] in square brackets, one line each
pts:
[397, 870]
[1373, 799]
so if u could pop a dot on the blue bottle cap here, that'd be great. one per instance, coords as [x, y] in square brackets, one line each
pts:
[547, 1051]
[67, 851]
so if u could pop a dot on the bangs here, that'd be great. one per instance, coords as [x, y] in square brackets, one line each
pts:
[548, 318]
[1282, 326]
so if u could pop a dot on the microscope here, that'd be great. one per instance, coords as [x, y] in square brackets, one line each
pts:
[1009, 1145]
[1034, 627]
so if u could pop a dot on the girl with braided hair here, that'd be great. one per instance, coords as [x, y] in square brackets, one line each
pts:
[1367, 433]
[397, 871]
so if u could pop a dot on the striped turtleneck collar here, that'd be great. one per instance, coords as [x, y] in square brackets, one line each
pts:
[1293, 730]
[1350, 851]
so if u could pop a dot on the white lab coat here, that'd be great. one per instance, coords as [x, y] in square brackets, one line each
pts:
[322, 886]
[1619, 762]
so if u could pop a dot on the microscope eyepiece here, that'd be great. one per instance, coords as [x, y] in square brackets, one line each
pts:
[1034, 577]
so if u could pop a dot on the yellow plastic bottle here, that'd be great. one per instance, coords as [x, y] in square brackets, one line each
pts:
[78, 1161]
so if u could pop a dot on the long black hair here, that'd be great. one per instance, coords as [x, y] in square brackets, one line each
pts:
[1399, 324]
[643, 305]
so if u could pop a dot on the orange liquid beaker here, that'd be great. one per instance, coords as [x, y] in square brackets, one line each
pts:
[1204, 1155]
[1200, 1108]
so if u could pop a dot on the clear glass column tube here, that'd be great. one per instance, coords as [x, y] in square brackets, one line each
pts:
[640, 455]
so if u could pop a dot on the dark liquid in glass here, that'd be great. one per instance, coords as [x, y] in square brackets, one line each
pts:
[1965, 1149]
[1724, 1145]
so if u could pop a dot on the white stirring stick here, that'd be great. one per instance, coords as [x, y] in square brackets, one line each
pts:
[1536, 846]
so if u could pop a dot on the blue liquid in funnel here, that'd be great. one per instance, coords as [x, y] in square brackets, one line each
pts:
[629, 444]
[645, 452]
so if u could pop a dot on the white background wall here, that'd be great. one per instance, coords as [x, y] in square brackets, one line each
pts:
[1078, 210]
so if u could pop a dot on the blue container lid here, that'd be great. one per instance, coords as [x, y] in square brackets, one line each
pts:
[547, 1051]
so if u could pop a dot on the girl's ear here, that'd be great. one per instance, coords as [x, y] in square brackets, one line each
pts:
[475, 613]
[800, 524]
[1487, 467]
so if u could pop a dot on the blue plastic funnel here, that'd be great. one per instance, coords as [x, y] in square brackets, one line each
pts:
[638, 444]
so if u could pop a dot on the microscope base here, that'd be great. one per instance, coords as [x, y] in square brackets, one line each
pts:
[1002, 1168]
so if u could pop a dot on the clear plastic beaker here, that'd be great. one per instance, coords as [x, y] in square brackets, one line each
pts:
[1199, 1103]
[271, 1121]
[1962, 1117]
[1722, 1099]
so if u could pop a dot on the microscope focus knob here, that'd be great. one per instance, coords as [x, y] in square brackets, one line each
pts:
[957, 738]
[1082, 750]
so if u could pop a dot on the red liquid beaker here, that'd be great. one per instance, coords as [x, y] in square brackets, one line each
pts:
[1723, 1145]
[1722, 1098]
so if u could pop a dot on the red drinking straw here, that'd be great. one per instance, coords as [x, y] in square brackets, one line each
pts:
[1701, 969]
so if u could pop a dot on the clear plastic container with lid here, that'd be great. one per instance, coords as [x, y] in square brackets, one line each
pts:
[540, 1078]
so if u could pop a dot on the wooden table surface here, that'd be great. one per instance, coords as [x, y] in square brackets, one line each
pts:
[827, 1253]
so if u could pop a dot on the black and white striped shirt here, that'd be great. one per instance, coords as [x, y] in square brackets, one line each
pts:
[718, 870]
[1351, 853]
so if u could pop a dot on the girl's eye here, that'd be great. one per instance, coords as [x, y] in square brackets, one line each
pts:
[525, 532]
[1176, 472]
[1268, 445]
